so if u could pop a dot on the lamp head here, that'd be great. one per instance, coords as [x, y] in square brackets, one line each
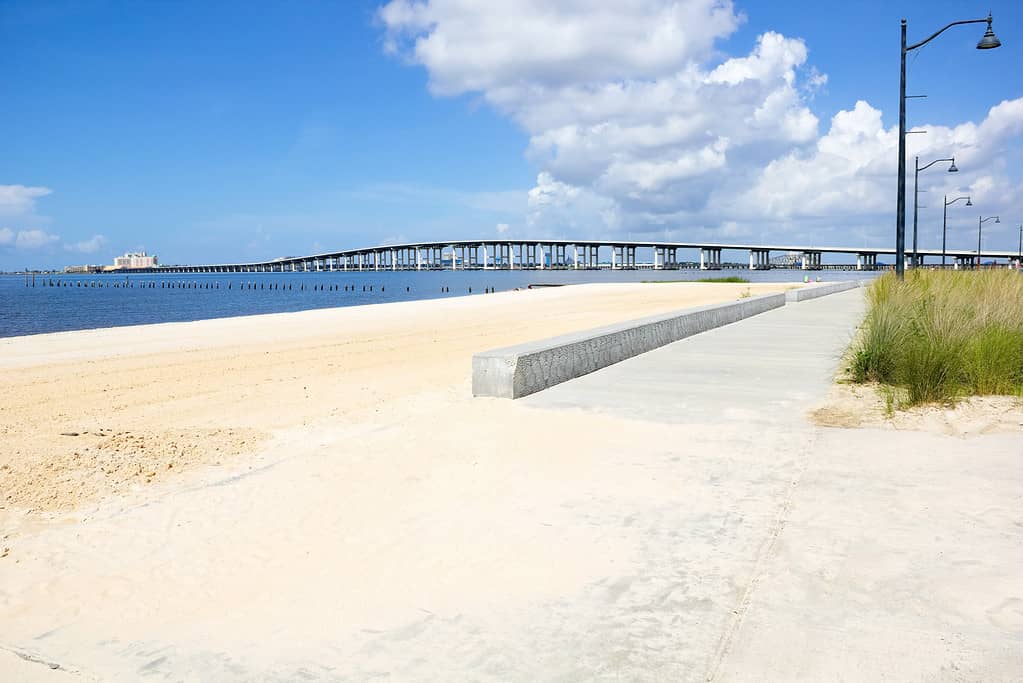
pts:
[952, 168]
[990, 40]
[997, 220]
[968, 202]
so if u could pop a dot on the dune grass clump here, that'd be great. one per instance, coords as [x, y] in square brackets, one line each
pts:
[941, 335]
[717, 280]
[723, 280]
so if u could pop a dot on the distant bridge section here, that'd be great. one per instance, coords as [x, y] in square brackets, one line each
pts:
[490, 254]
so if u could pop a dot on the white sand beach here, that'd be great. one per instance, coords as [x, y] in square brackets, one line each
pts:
[147, 402]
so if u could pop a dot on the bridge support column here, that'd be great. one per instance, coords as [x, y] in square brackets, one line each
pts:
[710, 258]
[575, 256]
[541, 256]
[759, 259]
[811, 260]
[866, 261]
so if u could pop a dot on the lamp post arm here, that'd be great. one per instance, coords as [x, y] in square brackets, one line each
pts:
[939, 32]
[947, 203]
[924, 168]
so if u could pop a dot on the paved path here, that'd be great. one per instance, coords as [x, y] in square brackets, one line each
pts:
[888, 556]
[765, 369]
[698, 528]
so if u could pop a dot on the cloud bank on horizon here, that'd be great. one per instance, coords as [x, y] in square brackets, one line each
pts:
[638, 125]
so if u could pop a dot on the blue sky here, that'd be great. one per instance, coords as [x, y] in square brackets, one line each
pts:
[235, 131]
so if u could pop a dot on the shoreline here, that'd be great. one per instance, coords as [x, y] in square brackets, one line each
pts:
[782, 286]
[37, 311]
[147, 402]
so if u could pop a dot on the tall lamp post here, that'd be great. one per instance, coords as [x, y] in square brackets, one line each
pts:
[980, 224]
[916, 196]
[944, 223]
[988, 42]
[1019, 256]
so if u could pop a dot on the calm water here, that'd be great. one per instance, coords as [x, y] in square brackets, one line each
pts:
[81, 303]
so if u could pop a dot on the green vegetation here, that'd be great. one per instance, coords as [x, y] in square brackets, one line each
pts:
[720, 280]
[725, 280]
[939, 335]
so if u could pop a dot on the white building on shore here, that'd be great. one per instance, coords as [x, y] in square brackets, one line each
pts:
[135, 260]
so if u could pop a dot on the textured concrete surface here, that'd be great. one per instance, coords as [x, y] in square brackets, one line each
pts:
[767, 369]
[882, 555]
[818, 290]
[516, 371]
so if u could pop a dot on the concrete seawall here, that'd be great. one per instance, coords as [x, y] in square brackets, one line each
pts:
[814, 291]
[517, 371]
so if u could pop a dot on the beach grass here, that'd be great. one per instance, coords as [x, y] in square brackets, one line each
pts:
[732, 279]
[725, 280]
[938, 336]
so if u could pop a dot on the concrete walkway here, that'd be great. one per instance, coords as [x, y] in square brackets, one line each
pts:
[767, 369]
[886, 555]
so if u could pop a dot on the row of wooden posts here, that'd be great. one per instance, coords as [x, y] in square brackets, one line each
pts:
[242, 286]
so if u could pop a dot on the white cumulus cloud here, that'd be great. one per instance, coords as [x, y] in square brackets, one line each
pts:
[33, 239]
[496, 47]
[18, 200]
[620, 101]
[852, 169]
[89, 246]
[638, 124]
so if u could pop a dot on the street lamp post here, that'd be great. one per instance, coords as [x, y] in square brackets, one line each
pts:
[988, 42]
[944, 223]
[1019, 255]
[916, 195]
[980, 224]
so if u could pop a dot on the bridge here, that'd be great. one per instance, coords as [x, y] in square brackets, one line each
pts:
[516, 254]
